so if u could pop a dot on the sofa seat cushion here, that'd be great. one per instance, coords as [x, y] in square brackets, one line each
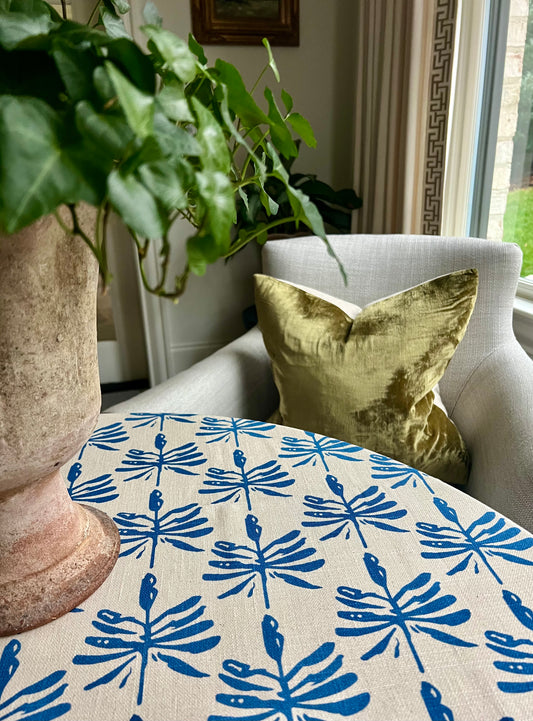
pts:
[369, 379]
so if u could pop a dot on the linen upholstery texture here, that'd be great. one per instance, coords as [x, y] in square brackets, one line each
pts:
[489, 370]
[368, 380]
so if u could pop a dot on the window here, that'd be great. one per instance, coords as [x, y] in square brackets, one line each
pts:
[510, 212]
[487, 190]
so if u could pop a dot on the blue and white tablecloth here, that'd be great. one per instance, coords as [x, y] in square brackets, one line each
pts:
[272, 574]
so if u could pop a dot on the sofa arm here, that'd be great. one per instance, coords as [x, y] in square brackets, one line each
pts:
[234, 381]
[495, 416]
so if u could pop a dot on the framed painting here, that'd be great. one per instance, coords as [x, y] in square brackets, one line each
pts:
[245, 22]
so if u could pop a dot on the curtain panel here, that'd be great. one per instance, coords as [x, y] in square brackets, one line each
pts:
[403, 87]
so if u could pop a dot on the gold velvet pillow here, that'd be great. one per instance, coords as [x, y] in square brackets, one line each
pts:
[368, 380]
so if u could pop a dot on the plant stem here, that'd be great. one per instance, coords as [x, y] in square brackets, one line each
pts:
[93, 11]
[241, 243]
[251, 153]
[101, 241]
[263, 71]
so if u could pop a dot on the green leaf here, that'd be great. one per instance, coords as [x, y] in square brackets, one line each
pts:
[201, 250]
[114, 25]
[268, 203]
[239, 99]
[136, 205]
[303, 128]
[174, 104]
[110, 133]
[215, 154]
[121, 6]
[279, 132]
[174, 52]
[317, 189]
[339, 220]
[31, 73]
[149, 151]
[151, 15]
[76, 68]
[244, 198]
[133, 63]
[165, 184]
[306, 211]
[138, 106]
[81, 35]
[103, 85]
[176, 142]
[24, 19]
[37, 173]
[271, 60]
[197, 49]
[216, 195]
[287, 100]
[262, 238]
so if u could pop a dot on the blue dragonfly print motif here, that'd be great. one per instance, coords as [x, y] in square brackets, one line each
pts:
[144, 464]
[367, 508]
[316, 448]
[432, 698]
[158, 419]
[127, 641]
[487, 536]
[106, 438]
[266, 478]
[224, 429]
[36, 702]
[386, 469]
[139, 531]
[519, 650]
[94, 490]
[290, 694]
[283, 558]
[408, 611]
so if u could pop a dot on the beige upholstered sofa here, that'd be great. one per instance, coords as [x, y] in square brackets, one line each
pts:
[487, 388]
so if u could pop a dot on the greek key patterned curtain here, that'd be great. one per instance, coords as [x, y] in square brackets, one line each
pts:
[403, 83]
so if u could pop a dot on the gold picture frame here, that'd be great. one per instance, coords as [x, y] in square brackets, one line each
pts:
[246, 22]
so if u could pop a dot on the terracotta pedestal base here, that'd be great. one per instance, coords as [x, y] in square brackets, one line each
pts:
[53, 554]
[43, 597]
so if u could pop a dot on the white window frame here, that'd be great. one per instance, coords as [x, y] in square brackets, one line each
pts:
[472, 135]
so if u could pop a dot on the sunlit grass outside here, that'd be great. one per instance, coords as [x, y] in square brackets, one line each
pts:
[518, 224]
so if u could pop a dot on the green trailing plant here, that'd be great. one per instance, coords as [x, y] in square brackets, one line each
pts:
[86, 116]
[334, 206]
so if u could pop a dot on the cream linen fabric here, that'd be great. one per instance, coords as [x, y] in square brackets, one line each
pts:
[259, 568]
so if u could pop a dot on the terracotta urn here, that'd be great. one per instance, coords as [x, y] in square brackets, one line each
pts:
[53, 553]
